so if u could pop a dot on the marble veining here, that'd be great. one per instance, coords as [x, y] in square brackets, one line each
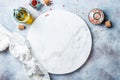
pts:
[65, 38]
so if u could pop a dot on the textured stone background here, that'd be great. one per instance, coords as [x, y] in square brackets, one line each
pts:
[104, 61]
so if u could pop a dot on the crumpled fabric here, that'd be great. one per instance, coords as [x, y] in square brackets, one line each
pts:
[4, 42]
[20, 48]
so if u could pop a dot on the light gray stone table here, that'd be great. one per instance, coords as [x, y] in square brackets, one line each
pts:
[104, 61]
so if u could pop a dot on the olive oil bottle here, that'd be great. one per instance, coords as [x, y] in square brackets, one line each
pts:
[22, 15]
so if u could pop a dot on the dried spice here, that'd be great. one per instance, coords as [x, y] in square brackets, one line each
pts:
[108, 24]
[47, 2]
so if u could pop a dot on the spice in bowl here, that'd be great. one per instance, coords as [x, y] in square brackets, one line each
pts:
[36, 4]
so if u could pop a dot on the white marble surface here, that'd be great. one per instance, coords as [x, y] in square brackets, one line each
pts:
[60, 40]
[104, 61]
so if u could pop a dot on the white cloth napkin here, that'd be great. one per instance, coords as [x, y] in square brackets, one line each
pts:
[20, 48]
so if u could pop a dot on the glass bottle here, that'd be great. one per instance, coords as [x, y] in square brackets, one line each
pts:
[22, 15]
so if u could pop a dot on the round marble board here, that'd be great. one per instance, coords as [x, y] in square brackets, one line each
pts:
[60, 40]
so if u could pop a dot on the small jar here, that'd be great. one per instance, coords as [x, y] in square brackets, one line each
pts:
[36, 4]
[96, 16]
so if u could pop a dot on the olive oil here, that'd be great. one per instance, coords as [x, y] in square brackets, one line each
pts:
[23, 16]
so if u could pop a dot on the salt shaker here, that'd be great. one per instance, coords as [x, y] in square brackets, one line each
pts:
[96, 16]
